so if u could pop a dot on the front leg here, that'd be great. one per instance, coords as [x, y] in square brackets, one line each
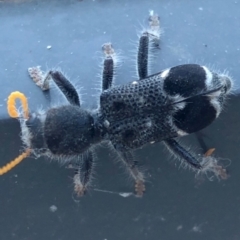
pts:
[43, 80]
[82, 174]
[132, 166]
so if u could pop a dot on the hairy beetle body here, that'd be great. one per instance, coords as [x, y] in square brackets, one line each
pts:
[169, 104]
[155, 108]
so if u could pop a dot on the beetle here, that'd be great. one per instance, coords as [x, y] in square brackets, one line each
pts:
[160, 107]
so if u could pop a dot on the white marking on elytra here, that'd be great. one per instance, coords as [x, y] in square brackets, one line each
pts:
[178, 98]
[180, 106]
[181, 133]
[215, 103]
[165, 73]
[209, 77]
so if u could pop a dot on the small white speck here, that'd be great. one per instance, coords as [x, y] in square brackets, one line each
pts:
[53, 208]
[200, 8]
[122, 194]
[125, 194]
[49, 47]
[104, 32]
[197, 228]
[162, 219]
[149, 124]
[179, 227]
[151, 12]
[106, 123]
[152, 142]
[135, 82]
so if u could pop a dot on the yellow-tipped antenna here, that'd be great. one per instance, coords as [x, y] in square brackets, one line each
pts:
[11, 104]
[14, 162]
[12, 111]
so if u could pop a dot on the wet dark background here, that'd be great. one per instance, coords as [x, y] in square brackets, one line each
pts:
[176, 205]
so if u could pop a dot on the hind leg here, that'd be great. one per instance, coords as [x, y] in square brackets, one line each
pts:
[132, 167]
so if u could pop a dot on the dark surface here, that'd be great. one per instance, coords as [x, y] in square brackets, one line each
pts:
[176, 205]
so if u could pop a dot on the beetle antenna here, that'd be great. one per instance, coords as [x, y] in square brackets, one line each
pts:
[12, 111]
